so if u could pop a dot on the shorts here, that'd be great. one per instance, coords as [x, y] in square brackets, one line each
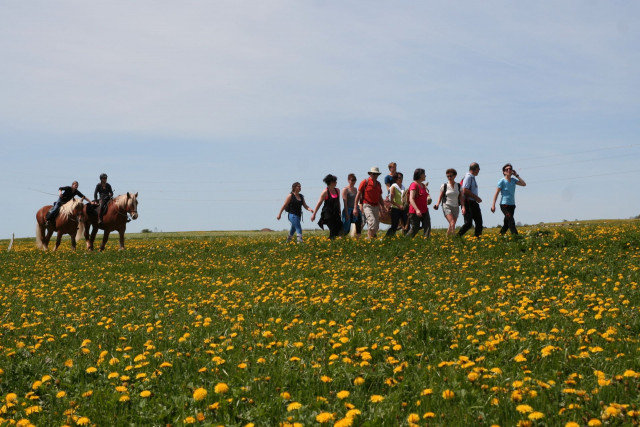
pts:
[448, 210]
[372, 217]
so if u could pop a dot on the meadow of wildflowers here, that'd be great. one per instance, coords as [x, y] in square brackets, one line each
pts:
[541, 329]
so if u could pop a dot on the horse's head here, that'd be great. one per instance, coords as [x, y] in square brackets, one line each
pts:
[132, 205]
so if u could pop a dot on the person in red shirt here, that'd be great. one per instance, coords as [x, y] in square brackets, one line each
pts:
[419, 217]
[370, 195]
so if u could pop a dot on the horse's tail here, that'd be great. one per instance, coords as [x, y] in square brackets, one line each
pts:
[39, 236]
[80, 233]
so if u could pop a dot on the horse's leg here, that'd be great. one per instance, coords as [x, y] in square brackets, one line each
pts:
[121, 231]
[73, 241]
[91, 238]
[105, 237]
[47, 237]
[58, 239]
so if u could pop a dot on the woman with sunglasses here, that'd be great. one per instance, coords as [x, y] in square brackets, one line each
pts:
[451, 200]
[507, 186]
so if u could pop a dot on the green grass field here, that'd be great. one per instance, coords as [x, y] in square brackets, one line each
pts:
[238, 329]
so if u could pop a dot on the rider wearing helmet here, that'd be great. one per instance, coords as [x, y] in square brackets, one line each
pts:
[105, 193]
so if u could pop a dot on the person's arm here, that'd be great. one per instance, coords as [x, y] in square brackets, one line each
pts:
[520, 181]
[320, 200]
[439, 198]
[83, 196]
[412, 202]
[357, 201]
[95, 192]
[344, 202]
[304, 204]
[284, 205]
[110, 192]
[381, 201]
[469, 195]
[461, 202]
[495, 197]
[392, 197]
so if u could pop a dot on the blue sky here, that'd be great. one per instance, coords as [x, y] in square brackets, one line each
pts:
[210, 110]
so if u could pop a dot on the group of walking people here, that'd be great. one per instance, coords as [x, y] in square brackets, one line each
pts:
[406, 209]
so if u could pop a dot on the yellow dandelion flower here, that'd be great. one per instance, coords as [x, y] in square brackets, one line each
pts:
[572, 424]
[61, 394]
[358, 381]
[326, 379]
[166, 365]
[32, 410]
[91, 370]
[426, 392]
[448, 394]
[221, 388]
[352, 413]
[199, 393]
[520, 358]
[293, 406]
[413, 418]
[36, 384]
[46, 378]
[124, 398]
[428, 415]
[343, 394]
[344, 422]
[536, 415]
[594, 422]
[83, 421]
[324, 417]
[145, 393]
[524, 409]
[285, 395]
[190, 420]
[376, 398]
[472, 376]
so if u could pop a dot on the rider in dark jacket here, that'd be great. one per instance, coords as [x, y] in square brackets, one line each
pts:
[64, 195]
[105, 193]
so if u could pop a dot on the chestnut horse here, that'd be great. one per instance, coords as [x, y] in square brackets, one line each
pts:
[114, 219]
[66, 222]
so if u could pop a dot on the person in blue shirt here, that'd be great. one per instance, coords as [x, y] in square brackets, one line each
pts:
[507, 187]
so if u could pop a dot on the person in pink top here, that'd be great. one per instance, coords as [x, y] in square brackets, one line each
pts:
[419, 217]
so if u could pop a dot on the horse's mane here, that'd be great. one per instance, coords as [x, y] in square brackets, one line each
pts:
[121, 200]
[67, 209]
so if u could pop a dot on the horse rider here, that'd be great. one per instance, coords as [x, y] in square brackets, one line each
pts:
[104, 190]
[64, 195]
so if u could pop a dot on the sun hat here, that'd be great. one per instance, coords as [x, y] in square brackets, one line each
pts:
[374, 170]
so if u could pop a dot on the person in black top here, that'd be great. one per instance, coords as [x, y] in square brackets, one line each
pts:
[103, 193]
[64, 195]
[293, 204]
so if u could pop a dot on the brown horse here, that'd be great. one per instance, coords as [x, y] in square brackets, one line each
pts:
[114, 219]
[66, 222]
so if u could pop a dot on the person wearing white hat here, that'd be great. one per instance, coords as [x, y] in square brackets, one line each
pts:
[370, 195]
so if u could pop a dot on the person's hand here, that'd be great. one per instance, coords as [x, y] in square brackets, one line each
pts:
[355, 211]
[463, 210]
[479, 200]
[313, 217]
[419, 213]
[278, 217]
[435, 206]
[493, 208]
